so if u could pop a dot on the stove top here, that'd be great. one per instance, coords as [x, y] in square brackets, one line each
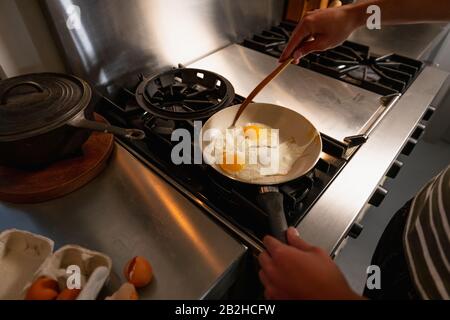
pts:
[349, 62]
[234, 201]
[347, 107]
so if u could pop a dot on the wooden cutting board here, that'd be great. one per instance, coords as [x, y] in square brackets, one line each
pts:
[60, 178]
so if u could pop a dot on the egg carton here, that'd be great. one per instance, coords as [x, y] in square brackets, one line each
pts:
[24, 257]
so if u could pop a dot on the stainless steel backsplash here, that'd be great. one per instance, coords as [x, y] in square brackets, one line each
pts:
[113, 38]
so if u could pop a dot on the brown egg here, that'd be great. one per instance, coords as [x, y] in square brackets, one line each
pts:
[43, 288]
[138, 272]
[68, 294]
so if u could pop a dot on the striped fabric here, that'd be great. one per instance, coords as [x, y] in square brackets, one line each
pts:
[427, 238]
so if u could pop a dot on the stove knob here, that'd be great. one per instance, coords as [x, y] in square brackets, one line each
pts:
[418, 132]
[394, 169]
[429, 113]
[355, 230]
[378, 196]
[409, 147]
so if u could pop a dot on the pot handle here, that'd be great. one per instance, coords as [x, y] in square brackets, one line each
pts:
[5, 95]
[132, 134]
[271, 201]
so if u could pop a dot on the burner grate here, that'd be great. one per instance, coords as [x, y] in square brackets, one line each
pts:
[353, 63]
[182, 94]
[350, 62]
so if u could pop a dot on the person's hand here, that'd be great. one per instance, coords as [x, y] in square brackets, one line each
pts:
[300, 271]
[329, 28]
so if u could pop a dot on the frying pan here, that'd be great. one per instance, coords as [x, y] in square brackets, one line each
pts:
[291, 125]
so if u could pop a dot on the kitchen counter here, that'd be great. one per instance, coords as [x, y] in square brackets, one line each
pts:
[129, 210]
[417, 41]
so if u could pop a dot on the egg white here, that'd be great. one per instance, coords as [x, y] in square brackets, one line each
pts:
[256, 156]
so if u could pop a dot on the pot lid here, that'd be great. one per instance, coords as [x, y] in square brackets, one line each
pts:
[37, 103]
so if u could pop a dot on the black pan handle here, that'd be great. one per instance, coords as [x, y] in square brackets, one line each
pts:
[5, 95]
[271, 201]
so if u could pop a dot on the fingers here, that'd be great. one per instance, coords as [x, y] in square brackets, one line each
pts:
[264, 279]
[271, 292]
[297, 56]
[319, 44]
[265, 261]
[275, 247]
[272, 245]
[268, 266]
[268, 286]
[295, 240]
[272, 270]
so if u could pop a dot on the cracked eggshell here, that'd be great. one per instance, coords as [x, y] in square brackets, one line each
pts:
[21, 255]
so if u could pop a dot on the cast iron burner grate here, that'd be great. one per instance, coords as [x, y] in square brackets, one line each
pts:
[353, 63]
[184, 94]
[349, 62]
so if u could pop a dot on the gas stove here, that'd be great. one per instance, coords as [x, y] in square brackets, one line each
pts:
[176, 99]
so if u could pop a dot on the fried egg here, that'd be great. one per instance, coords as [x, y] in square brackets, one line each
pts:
[260, 135]
[253, 151]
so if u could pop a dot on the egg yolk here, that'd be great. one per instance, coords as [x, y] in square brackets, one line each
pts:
[252, 131]
[231, 167]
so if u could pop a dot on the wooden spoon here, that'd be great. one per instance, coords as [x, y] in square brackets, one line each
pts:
[261, 86]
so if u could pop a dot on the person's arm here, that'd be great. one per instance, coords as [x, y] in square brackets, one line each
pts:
[301, 271]
[331, 27]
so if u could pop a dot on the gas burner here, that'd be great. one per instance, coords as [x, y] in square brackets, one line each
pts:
[184, 94]
[353, 63]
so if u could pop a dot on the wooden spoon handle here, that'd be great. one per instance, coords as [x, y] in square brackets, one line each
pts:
[261, 86]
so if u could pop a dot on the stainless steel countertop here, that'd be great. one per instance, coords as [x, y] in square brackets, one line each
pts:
[336, 108]
[129, 210]
[416, 41]
[328, 222]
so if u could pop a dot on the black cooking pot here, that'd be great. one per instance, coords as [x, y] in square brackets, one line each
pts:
[46, 117]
